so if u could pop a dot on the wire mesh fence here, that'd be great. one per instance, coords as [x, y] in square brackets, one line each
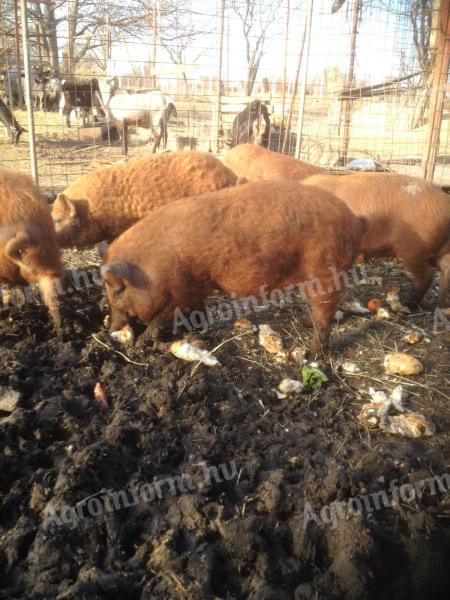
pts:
[342, 80]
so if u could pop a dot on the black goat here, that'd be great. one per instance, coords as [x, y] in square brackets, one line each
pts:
[13, 127]
[252, 125]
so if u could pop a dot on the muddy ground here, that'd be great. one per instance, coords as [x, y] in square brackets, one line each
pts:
[257, 528]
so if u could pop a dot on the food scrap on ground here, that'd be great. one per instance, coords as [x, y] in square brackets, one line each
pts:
[190, 352]
[125, 335]
[414, 337]
[270, 340]
[399, 363]
[290, 386]
[411, 424]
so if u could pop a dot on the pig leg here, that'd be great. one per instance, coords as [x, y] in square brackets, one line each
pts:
[161, 323]
[154, 329]
[152, 332]
[49, 290]
[444, 282]
[422, 274]
[323, 308]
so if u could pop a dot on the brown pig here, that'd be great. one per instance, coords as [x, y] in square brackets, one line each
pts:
[241, 240]
[408, 218]
[102, 204]
[29, 252]
[254, 163]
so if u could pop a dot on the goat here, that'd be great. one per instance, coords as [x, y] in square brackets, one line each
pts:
[13, 127]
[47, 90]
[151, 109]
[186, 142]
[252, 125]
[84, 96]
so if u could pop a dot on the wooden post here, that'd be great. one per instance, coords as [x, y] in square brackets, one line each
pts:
[294, 93]
[218, 122]
[440, 76]
[347, 105]
[70, 41]
[154, 24]
[304, 79]
[18, 61]
[228, 51]
[286, 40]
[28, 97]
[108, 40]
[38, 30]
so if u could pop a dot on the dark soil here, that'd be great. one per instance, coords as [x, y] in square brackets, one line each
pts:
[245, 533]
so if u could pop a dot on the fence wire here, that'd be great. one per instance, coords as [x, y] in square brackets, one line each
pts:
[365, 90]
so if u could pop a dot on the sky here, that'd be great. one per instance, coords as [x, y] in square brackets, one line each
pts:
[382, 38]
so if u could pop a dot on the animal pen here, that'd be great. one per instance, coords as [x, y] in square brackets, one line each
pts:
[225, 459]
[342, 80]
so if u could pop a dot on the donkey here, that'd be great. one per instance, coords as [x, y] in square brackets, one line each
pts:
[151, 109]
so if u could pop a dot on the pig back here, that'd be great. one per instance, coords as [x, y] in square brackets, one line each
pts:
[403, 213]
[256, 163]
[141, 185]
[266, 230]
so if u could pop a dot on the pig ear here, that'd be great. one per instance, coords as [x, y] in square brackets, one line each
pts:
[17, 245]
[102, 248]
[116, 274]
[67, 205]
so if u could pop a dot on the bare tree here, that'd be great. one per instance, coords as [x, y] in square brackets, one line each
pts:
[77, 29]
[180, 30]
[421, 13]
[256, 18]
[88, 27]
[417, 14]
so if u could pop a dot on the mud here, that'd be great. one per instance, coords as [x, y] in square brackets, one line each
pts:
[258, 527]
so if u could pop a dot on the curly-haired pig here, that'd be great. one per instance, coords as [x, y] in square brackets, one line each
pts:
[241, 240]
[255, 163]
[102, 204]
[408, 218]
[29, 252]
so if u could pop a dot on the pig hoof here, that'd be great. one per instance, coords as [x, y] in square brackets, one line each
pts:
[151, 334]
[413, 303]
[319, 349]
[152, 331]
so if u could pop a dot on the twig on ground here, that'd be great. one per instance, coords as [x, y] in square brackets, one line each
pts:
[133, 362]
[216, 348]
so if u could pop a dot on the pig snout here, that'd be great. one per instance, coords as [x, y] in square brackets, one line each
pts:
[38, 263]
[116, 276]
